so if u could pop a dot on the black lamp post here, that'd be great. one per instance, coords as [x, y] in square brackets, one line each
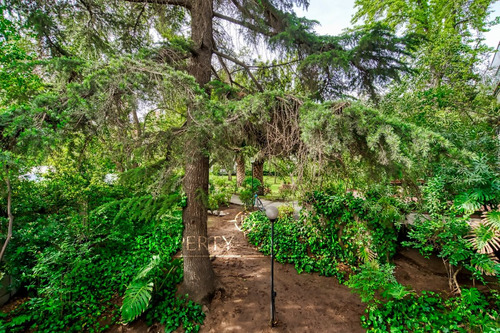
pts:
[252, 160]
[272, 214]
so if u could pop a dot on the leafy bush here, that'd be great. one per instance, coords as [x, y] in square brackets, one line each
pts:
[334, 237]
[250, 187]
[246, 196]
[449, 238]
[220, 192]
[392, 307]
[252, 184]
[360, 229]
[74, 267]
[152, 291]
[430, 313]
[289, 242]
[285, 211]
[375, 282]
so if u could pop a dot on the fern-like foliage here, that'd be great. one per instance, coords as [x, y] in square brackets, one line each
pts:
[139, 292]
[470, 202]
[136, 299]
[492, 219]
[485, 239]
[154, 263]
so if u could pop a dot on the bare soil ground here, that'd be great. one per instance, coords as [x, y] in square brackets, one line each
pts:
[304, 303]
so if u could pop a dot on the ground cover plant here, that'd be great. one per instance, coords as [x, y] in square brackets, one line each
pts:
[339, 233]
[75, 269]
[392, 307]
[354, 240]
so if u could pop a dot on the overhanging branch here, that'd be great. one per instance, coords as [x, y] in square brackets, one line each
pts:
[242, 64]
[244, 24]
[182, 3]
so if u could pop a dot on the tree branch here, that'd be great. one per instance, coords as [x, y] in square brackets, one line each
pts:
[242, 64]
[223, 64]
[244, 24]
[182, 3]
[215, 73]
[276, 65]
[138, 18]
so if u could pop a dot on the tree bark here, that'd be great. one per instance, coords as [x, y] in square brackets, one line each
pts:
[258, 173]
[9, 214]
[240, 170]
[199, 277]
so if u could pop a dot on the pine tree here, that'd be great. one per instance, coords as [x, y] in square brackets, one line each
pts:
[97, 29]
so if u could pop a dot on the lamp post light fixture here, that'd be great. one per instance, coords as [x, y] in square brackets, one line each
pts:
[252, 161]
[272, 215]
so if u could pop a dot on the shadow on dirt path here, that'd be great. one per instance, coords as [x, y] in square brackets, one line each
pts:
[304, 303]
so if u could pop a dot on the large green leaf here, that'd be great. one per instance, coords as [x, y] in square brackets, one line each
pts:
[492, 219]
[136, 299]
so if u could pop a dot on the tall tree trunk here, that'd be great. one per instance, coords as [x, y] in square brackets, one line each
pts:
[240, 170]
[199, 277]
[230, 169]
[258, 173]
[9, 214]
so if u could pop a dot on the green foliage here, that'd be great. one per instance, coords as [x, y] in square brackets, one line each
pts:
[435, 196]
[76, 264]
[287, 191]
[219, 193]
[375, 283]
[152, 291]
[430, 313]
[247, 193]
[247, 197]
[447, 237]
[364, 58]
[136, 299]
[339, 230]
[252, 184]
[17, 81]
[174, 312]
[452, 34]
[392, 307]
[285, 211]
[378, 144]
[366, 229]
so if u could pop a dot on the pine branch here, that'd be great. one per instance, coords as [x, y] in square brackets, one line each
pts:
[244, 24]
[242, 64]
[182, 3]
[224, 66]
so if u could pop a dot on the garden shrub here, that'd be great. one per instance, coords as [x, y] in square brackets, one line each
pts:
[361, 229]
[250, 187]
[253, 184]
[428, 312]
[287, 191]
[75, 267]
[450, 238]
[336, 235]
[285, 211]
[374, 283]
[220, 192]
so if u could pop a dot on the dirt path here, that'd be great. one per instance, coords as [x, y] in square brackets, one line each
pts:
[304, 303]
